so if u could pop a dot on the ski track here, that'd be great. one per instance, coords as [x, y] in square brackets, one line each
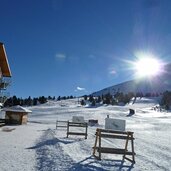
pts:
[50, 156]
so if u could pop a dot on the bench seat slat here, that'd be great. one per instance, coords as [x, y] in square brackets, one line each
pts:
[115, 132]
[76, 133]
[77, 126]
[114, 151]
[124, 137]
[61, 126]
[2, 124]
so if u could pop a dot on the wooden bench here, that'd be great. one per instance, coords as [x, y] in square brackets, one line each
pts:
[127, 136]
[75, 124]
[61, 124]
[2, 122]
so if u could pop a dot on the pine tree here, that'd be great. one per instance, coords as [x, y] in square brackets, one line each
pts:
[82, 102]
[93, 102]
[42, 100]
[35, 101]
[59, 98]
[99, 99]
[91, 98]
[85, 97]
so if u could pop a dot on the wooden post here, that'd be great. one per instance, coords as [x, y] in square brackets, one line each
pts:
[75, 124]
[132, 146]
[95, 144]
[122, 135]
[67, 128]
[99, 144]
[86, 130]
[56, 123]
[61, 124]
[126, 145]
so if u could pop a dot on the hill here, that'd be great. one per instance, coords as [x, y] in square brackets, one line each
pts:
[156, 84]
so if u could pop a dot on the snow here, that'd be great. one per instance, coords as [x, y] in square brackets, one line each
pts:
[17, 109]
[39, 146]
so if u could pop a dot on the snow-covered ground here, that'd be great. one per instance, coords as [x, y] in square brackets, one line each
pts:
[39, 146]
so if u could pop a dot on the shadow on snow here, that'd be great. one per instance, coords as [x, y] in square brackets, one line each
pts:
[91, 164]
[51, 157]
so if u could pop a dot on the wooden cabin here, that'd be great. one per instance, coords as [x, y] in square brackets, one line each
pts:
[16, 115]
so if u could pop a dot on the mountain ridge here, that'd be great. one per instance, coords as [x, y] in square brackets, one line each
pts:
[156, 84]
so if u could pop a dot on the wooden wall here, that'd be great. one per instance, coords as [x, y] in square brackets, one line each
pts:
[16, 117]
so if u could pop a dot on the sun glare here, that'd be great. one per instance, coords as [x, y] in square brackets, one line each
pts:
[147, 66]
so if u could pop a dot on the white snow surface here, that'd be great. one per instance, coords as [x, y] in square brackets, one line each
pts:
[17, 109]
[38, 146]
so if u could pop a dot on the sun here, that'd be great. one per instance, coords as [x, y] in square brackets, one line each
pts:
[147, 66]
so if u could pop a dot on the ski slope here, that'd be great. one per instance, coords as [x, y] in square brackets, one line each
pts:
[39, 146]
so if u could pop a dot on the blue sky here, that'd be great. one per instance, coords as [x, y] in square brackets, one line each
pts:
[75, 47]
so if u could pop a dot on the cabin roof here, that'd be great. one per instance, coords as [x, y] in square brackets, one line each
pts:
[17, 109]
[4, 65]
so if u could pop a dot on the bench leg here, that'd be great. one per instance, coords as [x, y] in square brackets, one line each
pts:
[67, 129]
[126, 146]
[99, 145]
[86, 131]
[132, 145]
[95, 144]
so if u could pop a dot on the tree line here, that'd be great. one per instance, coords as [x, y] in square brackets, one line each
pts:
[108, 99]
[123, 98]
[166, 100]
[115, 99]
[13, 101]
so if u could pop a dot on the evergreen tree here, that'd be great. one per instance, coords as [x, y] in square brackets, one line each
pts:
[91, 98]
[114, 102]
[49, 98]
[42, 100]
[35, 101]
[93, 102]
[85, 97]
[107, 99]
[15, 101]
[29, 101]
[21, 102]
[59, 98]
[71, 97]
[64, 97]
[99, 99]
[166, 100]
[8, 102]
[83, 102]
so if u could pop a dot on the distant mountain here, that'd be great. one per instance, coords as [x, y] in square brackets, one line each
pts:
[156, 84]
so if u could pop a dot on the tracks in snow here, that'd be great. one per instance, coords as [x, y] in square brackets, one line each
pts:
[50, 155]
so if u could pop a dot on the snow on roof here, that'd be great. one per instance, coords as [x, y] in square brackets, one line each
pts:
[17, 109]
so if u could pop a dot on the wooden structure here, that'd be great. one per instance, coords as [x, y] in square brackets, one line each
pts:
[5, 69]
[131, 111]
[16, 115]
[2, 122]
[61, 124]
[78, 125]
[5, 74]
[127, 136]
[92, 122]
